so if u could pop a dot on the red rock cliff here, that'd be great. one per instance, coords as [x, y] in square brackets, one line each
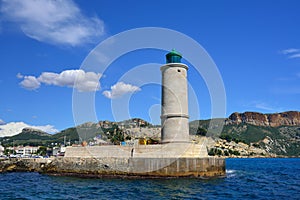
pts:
[290, 118]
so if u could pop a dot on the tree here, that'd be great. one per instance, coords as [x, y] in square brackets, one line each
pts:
[226, 153]
[117, 136]
[228, 138]
[9, 152]
[201, 131]
[42, 151]
[128, 137]
[212, 152]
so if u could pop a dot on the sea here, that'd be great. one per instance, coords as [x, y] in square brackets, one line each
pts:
[246, 178]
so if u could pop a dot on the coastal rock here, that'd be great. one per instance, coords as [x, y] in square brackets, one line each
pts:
[289, 118]
[23, 164]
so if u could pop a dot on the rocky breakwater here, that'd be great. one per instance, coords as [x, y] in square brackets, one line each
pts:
[289, 118]
[24, 164]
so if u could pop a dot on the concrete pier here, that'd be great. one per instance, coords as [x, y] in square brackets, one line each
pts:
[119, 167]
[138, 167]
[167, 160]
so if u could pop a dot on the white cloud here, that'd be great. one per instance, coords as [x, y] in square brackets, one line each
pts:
[30, 83]
[297, 55]
[47, 128]
[120, 89]
[79, 79]
[55, 22]
[20, 76]
[291, 53]
[263, 106]
[14, 128]
[291, 90]
[2, 122]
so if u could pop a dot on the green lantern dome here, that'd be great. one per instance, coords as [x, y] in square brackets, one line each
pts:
[173, 57]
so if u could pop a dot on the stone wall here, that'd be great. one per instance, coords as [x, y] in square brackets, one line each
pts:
[138, 167]
[167, 160]
[119, 167]
[188, 150]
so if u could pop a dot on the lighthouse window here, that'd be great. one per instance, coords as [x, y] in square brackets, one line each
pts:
[178, 70]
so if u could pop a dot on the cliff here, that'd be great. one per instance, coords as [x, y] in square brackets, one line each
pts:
[254, 134]
[290, 118]
[34, 132]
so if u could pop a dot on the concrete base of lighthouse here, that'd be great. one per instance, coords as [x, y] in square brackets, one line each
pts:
[208, 167]
[150, 161]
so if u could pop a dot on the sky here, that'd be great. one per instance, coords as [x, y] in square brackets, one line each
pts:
[44, 46]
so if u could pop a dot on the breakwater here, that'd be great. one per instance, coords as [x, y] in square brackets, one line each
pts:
[24, 164]
[120, 167]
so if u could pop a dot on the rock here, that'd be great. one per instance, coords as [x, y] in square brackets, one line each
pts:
[289, 118]
[34, 131]
[23, 164]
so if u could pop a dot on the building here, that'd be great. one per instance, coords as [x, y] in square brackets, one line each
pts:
[24, 150]
[58, 151]
[1, 150]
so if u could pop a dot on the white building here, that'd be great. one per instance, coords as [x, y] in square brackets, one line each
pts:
[58, 151]
[1, 150]
[25, 151]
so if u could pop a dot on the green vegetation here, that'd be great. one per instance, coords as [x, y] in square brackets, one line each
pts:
[115, 135]
[201, 131]
[42, 151]
[109, 131]
[34, 139]
[9, 152]
[198, 126]
[220, 152]
[283, 140]
[230, 138]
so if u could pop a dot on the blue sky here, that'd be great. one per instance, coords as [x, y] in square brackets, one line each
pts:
[254, 44]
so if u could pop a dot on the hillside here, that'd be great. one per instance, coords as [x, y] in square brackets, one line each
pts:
[28, 136]
[251, 132]
[108, 131]
[275, 134]
[37, 137]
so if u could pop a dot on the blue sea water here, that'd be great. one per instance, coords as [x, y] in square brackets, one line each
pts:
[256, 178]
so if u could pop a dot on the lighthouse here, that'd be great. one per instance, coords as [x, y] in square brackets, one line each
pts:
[175, 157]
[174, 109]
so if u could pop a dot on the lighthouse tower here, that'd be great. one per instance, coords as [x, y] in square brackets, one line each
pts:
[174, 111]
